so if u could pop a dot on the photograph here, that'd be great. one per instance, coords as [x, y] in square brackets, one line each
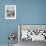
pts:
[10, 11]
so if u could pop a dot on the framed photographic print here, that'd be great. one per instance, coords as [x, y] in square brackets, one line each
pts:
[10, 11]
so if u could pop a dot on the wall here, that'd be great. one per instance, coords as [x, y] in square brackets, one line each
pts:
[6, 26]
[31, 11]
[27, 12]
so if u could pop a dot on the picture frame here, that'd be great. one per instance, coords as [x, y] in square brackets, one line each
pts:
[10, 11]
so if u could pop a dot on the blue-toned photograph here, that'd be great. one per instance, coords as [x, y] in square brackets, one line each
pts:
[13, 13]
